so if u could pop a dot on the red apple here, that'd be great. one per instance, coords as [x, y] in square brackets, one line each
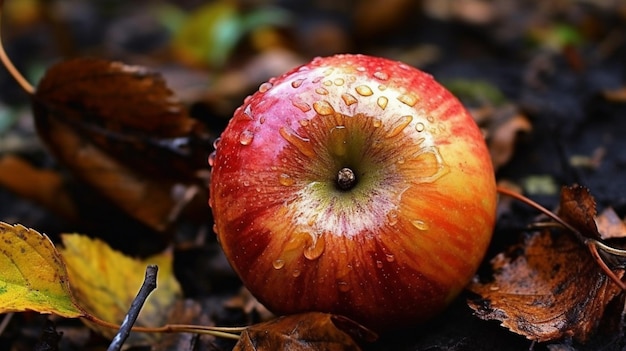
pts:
[353, 185]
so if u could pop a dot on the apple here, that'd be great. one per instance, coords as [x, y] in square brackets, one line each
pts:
[353, 185]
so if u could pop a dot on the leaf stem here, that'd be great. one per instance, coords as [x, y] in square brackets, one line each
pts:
[6, 61]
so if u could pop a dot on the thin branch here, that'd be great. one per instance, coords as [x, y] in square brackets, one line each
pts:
[8, 316]
[6, 61]
[149, 284]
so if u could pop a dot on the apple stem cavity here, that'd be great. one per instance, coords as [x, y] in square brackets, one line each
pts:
[346, 179]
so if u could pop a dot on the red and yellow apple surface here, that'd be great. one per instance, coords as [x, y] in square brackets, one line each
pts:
[354, 185]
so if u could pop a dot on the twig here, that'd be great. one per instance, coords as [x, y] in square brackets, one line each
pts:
[148, 285]
[8, 316]
[4, 59]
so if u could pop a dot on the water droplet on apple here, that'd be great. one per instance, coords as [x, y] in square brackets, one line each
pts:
[301, 105]
[246, 137]
[381, 75]
[328, 71]
[399, 125]
[265, 87]
[364, 90]
[390, 257]
[382, 102]
[299, 142]
[377, 122]
[392, 217]
[382, 87]
[323, 108]
[379, 264]
[327, 83]
[285, 179]
[278, 264]
[343, 286]
[419, 126]
[339, 82]
[419, 224]
[338, 141]
[296, 273]
[361, 69]
[316, 248]
[212, 157]
[215, 228]
[216, 142]
[408, 99]
[430, 119]
[262, 120]
[321, 91]
[349, 99]
[297, 83]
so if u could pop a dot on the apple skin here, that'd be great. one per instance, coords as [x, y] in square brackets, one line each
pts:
[398, 245]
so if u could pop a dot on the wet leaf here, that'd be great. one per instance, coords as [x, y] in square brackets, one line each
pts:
[32, 274]
[105, 282]
[546, 288]
[578, 209]
[308, 331]
[119, 129]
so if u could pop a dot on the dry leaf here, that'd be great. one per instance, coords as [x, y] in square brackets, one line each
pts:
[32, 274]
[578, 209]
[307, 331]
[610, 225]
[503, 134]
[119, 129]
[105, 282]
[546, 288]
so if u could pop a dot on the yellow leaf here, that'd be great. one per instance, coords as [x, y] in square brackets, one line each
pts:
[32, 274]
[105, 282]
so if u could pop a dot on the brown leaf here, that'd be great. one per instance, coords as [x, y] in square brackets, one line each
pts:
[119, 129]
[578, 209]
[503, 133]
[545, 289]
[610, 225]
[308, 331]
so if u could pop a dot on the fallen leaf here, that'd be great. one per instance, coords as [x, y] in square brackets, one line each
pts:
[119, 129]
[503, 134]
[307, 331]
[546, 288]
[578, 209]
[610, 225]
[105, 282]
[32, 274]
[42, 186]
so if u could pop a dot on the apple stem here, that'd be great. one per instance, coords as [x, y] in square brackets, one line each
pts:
[346, 179]
[4, 58]
[592, 244]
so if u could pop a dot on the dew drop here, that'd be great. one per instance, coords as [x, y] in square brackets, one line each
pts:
[419, 126]
[321, 91]
[408, 99]
[419, 224]
[216, 142]
[246, 137]
[304, 122]
[278, 264]
[377, 122]
[246, 183]
[323, 108]
[382, 87]
[296, 273]
[339, 82]
[317, 79]
[328, 71]
[297, 83]
[285, 179]
[299, 142]
[392, 217]
[364, 90]
[361, 69]
[315, 250]
[390, 257]
[381, 75]
[349, 99]
[248, 112]
[302, 106]
[212, 157]
[265, 87]
[399, 126]
[261, 119]
[382, 102]
[215, 228]
[379, 264]
[343, 286]
[430, 119]
[327, 83]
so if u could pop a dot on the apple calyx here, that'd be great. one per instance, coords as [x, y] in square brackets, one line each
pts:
[353, 185]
